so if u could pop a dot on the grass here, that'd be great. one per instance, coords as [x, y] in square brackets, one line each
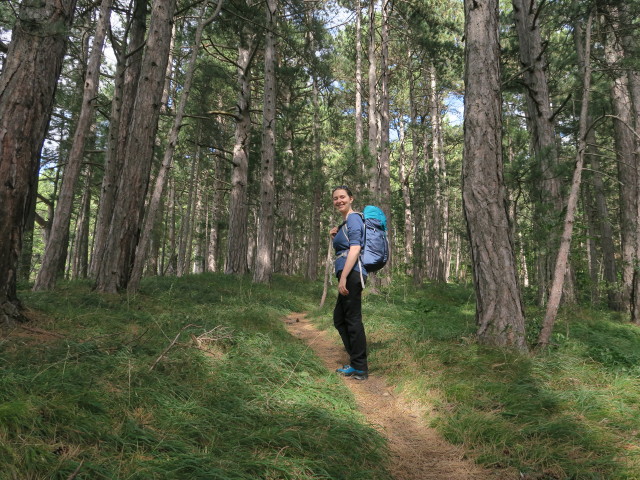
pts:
[572, 412]
[93, 390]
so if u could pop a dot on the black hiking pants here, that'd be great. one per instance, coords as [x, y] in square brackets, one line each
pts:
[347, 318]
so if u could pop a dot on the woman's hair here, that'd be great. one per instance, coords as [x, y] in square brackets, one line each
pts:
[342, 187]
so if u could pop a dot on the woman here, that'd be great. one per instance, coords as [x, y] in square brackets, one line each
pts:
[347, 315]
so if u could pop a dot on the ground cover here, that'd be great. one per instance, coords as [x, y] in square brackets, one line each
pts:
[190, 379]
[571, 412]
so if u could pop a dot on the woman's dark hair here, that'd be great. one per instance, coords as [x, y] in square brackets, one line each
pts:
[342, 187]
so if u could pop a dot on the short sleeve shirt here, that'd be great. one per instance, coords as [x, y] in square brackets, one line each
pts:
[342, 242]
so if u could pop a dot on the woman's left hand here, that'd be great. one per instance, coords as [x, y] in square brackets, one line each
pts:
[342, 286]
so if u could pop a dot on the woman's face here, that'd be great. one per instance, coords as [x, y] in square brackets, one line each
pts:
[342, 201]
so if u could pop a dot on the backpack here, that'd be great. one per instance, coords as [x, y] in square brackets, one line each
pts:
[375, 250]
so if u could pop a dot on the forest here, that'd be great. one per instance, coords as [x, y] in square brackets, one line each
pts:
[170, 140]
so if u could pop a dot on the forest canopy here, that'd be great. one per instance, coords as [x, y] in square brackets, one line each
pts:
[167, 137]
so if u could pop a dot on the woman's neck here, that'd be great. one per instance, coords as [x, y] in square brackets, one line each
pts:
[347, 214]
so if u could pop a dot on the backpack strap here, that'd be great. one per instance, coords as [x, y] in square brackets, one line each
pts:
[346, 252]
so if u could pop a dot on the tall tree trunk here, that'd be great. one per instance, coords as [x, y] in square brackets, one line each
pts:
[499, 308]
[129, 63]
[213, 248]
[237, 239]
[266, 227]
[543, 143]
[167, 160]
[24, 266]
[565, 241]
[630, 46]
[602, 211]
[27, 89]
[287, 213]
[80, 266]
[57, 244]
[184, 258]
[372, 156]
[385, 154]
[316, 182]
[127, 218]
[316, 187]
[358, 100]
[625, 145]
[404, 177]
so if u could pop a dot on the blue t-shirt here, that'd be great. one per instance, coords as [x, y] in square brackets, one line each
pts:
[355, 229]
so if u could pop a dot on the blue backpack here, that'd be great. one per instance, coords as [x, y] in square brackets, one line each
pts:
[375, 252]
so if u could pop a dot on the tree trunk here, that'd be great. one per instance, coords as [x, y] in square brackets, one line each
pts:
[358, 100]
[316, 188]
[404, 177]
[114, 273]
[555, 293]
[57, 244]
[625, 144]
[129, 63]
[543, 143]
[80, 265]
[372, 156]
[499, 309]
[237, 239]
[27, 89]
[385, 154]
[184, 256]
[266, 227]
[167, 160]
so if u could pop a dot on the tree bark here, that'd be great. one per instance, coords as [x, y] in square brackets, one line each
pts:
[385, 154]
[237, 239]
[167, 160]
[372, 156]
[80, 268]
[555, 293]
[359, 87]
[625, 145]
[115, 270]
[129, 63]
[57, 244]
[27, 88]
[543, 143]
[266, 226]
[499, 308]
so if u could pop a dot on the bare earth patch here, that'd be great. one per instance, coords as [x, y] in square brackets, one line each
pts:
[418, 452]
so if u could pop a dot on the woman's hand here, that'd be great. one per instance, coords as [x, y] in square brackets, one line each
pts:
[333, 232]
[342, 286]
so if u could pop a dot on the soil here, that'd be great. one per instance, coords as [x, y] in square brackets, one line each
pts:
[418, 452]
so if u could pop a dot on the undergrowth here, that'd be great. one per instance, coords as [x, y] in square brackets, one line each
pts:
[196, 378]
[193, 378]
[570, 412]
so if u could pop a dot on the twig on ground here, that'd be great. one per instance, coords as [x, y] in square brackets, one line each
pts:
[164, 352]
[76, 471]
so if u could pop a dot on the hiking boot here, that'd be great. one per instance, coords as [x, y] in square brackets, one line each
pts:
[349, 371]
[360, 376]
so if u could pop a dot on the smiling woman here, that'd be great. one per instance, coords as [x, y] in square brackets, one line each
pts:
[347, 315]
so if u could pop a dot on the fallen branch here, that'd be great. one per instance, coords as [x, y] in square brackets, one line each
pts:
[76, 471]
[164, 352]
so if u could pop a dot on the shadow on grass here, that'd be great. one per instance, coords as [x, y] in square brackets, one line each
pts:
[527, 412]
[106, 395]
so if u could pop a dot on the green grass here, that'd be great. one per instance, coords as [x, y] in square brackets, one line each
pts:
[222, 403]
[571, 412]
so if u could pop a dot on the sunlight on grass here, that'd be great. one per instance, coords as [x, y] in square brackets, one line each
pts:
[572, 412]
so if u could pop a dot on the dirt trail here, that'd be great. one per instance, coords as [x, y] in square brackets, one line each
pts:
[418, 452]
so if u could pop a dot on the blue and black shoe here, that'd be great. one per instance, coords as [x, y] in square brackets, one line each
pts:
[349, 371]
